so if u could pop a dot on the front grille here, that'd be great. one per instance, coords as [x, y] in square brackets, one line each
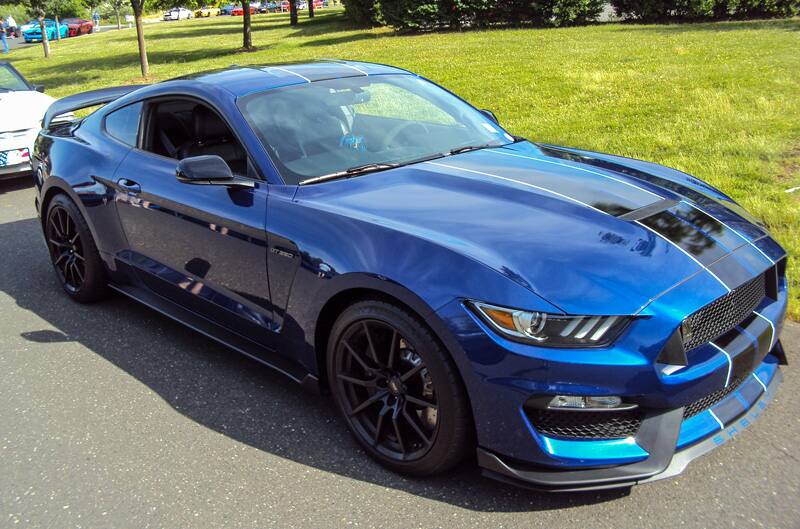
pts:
[702, 404]
[586, 424]
[723, 314]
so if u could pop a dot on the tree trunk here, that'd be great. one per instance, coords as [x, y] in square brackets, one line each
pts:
[140, 38]
[293, 12]
[310, 8]
[247, 36]
[45, 42]
[119, 22]
[58, 28]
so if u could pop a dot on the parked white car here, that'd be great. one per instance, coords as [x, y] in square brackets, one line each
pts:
[178, 13]
[22, 106]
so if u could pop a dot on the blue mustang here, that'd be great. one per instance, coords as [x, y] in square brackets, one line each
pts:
[34, 33]
[580, 319]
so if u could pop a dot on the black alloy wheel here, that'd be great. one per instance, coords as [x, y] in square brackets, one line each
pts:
[74, 255]
[66, 248]
[397, 390]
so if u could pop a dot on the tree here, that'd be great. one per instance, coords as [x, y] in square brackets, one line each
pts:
[293, 12]
[310, 8]
[117, 6]
[247, 33]
[138, 7]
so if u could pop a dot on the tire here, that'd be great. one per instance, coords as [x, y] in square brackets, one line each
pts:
[73, 253]
[398, 390]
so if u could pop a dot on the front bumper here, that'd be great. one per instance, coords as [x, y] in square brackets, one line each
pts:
[668, 441]
[718, 389]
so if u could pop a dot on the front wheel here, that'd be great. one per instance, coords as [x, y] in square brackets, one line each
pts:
[398, 390]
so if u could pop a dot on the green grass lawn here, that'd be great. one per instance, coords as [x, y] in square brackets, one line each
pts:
[720, 100]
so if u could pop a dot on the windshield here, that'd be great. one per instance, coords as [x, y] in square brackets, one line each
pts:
[329, 127]
[10, 80]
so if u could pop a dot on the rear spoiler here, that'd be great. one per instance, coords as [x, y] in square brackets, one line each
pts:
[85, 100]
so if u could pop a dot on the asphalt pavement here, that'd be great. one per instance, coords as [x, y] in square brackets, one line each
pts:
[114, 416]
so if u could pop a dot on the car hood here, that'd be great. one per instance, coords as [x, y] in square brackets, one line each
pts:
[590, 234]
[23, 109]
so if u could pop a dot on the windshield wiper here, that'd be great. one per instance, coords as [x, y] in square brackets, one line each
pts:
[352, 171]
[469, 148]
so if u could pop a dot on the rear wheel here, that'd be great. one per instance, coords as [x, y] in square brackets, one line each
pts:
[398, 390]
[75, 258]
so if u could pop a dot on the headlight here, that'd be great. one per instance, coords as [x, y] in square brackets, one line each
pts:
[551, 330]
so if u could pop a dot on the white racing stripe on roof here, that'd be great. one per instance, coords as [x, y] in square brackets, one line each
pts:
[690, 256]
[520, 183]
[581, 169]
[730, 362]
[356, 68]
[291, 72]
[698, 208]
[771, 326]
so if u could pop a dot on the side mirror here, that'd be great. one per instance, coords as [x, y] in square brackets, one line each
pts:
[489, 114]
[39, 88]
[208, 170]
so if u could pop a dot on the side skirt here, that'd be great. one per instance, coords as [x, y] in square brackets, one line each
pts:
[221, 335]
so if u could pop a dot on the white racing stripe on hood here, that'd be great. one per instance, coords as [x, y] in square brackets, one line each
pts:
[575, 167]
[687, 254]
[695, 206]
[546, 190]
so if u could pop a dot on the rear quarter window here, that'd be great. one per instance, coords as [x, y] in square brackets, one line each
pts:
[123, 124]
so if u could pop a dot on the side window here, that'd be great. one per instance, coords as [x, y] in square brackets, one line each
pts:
[123, 124]
[184, 128]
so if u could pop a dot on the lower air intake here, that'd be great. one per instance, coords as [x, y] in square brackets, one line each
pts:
[702, 404]
[586, 424]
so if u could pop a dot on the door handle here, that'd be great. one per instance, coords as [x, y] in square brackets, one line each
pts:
[130, 186]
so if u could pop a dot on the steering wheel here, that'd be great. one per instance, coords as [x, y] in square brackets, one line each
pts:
[396, 131]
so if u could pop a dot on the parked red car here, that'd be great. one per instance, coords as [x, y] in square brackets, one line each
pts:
[78, 26]
[238, 11]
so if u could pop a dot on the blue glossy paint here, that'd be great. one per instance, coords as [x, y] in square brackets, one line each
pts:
[528, 226]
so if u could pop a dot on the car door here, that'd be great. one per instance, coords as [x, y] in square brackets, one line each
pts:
[203, 247]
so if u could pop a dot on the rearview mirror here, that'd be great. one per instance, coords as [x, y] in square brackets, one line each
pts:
[489, 114]
[208, 170]
[39, 88]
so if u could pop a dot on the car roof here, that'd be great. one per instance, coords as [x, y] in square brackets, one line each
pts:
[244, 80]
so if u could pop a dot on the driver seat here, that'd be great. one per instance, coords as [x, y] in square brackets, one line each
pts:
[213, 137]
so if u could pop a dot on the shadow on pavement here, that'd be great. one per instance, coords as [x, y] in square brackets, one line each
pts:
[15, 184]
[227, 392]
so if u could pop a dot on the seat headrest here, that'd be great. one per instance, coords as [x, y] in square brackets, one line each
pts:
[207, 125]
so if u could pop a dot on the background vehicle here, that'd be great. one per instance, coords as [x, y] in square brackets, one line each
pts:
[207, 11]
[238, 11]
[578, 319]
[34, 34]
[226, 10]
[269, 7]
[78, 26]
[29, 25]
[23, 106]
[178, 13]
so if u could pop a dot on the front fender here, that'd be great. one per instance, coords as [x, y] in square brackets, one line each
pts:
[356, 254]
